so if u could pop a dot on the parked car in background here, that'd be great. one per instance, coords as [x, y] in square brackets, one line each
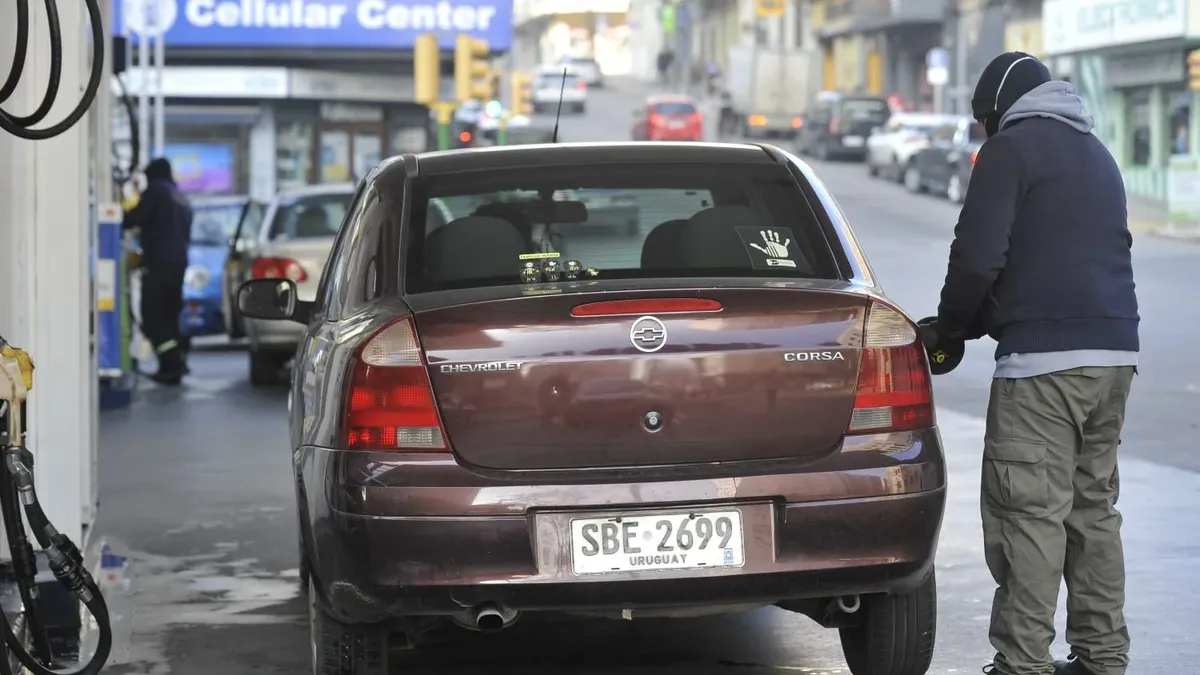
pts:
[215, 221]
[298, 232]
[551, 83]
[667, 117]
[891, 146]
[836, 126]
[944, 167]
[586, 67]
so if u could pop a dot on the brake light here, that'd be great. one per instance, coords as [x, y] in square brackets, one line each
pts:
[650, 306]
[894, 392]
[695, 120]
[834, 125]
[797, 122]
[278, 268]
[580, 84]
[974, 156]
[389, 401]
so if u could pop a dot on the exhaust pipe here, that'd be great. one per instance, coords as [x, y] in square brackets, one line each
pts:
[490, 619]
[848, 604]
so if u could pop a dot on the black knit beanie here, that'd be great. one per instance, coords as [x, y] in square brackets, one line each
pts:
[1007, 78]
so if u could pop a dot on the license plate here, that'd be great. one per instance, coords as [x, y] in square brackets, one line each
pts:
[664, 541]
[853, 141]
[675, 124]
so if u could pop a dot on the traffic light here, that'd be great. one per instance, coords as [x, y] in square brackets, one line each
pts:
[472, 69]
[427, 69]
[522, 94]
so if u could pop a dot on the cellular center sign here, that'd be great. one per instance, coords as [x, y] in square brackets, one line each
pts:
[363, 24]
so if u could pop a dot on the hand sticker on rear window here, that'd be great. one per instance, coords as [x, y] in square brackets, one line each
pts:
[769, 248]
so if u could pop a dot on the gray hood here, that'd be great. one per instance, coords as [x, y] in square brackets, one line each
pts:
[1055, 99]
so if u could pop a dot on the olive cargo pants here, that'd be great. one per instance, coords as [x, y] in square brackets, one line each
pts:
[1048, 500]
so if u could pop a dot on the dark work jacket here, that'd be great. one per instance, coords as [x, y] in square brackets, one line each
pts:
[164, 217]
[1041, 258]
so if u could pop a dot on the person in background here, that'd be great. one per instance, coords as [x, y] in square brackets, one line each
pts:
[164, 218]
[666, 58]
[1041, 261]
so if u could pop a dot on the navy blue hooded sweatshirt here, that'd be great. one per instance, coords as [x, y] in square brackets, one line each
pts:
[164, 217]
[1041, 257]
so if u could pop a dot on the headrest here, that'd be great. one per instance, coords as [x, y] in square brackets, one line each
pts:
[660, 250]
[711, 239]
[312, 222]
[474, 247]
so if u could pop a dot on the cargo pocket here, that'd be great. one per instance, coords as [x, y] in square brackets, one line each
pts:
[1015, 480]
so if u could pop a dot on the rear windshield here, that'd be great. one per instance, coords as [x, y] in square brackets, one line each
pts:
[674, 108]
[976, 134]
[310, 217]
[214, 225]
[613, 221]
[860, 109]
[555, 80]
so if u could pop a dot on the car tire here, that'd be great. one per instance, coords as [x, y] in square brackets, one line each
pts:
[872, 170]
[581, 108]
[897, 633]
[265, 366]
[954, 191]
[339, 649]
[895, 171]
[237, 328]
[823, 152]
[912, 179]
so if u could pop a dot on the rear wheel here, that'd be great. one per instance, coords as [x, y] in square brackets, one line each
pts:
[897, 634]
[339, 649]
[871, 168]
[954, 191]
[823, 152]
[912, 178]
[265, 366]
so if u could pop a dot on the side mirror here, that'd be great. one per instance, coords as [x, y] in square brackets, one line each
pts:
[272, 300]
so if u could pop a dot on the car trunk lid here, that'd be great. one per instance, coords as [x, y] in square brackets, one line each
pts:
[527, 382]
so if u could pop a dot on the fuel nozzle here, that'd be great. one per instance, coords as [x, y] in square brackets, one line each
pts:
[945, 353]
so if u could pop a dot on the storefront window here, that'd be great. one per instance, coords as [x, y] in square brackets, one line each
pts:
[1179, 114]
[293, 154]
[1138, 116]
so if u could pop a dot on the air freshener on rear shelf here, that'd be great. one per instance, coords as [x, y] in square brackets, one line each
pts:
[551, 270]
[572, 269]
[531, 272]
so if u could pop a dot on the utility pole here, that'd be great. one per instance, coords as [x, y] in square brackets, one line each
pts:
[160, 57]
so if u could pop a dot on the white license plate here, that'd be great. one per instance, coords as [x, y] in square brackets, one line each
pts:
[675, 124]
[852, 141]
[657, 541]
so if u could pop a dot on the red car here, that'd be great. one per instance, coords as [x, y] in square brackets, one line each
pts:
[721, 413]
[668, 118]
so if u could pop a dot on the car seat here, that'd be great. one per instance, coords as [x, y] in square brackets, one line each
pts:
[474, 247]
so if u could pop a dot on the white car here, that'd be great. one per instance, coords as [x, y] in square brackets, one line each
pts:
[299, 228]
[551, 82]
[587, 68]
[890, 147]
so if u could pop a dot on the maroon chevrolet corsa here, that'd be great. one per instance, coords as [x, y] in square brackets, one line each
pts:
[499, 408]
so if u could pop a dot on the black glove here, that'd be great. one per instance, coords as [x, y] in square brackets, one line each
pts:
[945, 352]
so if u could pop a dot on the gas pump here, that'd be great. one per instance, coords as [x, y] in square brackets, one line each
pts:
[28, 647]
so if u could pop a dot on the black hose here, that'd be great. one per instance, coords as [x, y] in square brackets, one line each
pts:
[19, 126]
[121, 177]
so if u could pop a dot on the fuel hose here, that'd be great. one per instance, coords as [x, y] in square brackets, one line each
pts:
[22, 126]
[17, 493]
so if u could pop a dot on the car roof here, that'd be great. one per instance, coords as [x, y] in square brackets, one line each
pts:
[542, 154]
[217, 201]
[311, 190]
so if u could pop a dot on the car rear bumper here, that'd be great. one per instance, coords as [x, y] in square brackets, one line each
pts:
[390, 535]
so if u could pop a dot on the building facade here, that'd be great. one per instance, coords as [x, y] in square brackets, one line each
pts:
[1128, 60]
[263, 96]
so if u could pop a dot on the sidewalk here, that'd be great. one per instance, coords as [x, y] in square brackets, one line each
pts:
[1151, 216]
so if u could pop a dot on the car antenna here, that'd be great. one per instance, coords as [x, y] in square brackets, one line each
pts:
[562, 89]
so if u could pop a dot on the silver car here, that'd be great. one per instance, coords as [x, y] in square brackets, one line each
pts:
[294, 243]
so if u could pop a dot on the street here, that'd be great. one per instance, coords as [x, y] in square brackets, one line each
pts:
[196, 497]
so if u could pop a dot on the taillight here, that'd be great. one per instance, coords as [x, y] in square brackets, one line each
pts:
[278, 268]
[834, 125]
[389, 400]
[695, 120]
[580, 84]
[974, 156]
[657, 120]
[894, 392]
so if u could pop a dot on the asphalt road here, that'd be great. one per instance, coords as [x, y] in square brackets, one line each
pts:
[196, 499]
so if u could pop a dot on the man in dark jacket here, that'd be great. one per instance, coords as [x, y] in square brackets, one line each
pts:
[1041, 262]
[164, 218]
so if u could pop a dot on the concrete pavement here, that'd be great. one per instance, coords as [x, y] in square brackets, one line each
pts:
[196, 496]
